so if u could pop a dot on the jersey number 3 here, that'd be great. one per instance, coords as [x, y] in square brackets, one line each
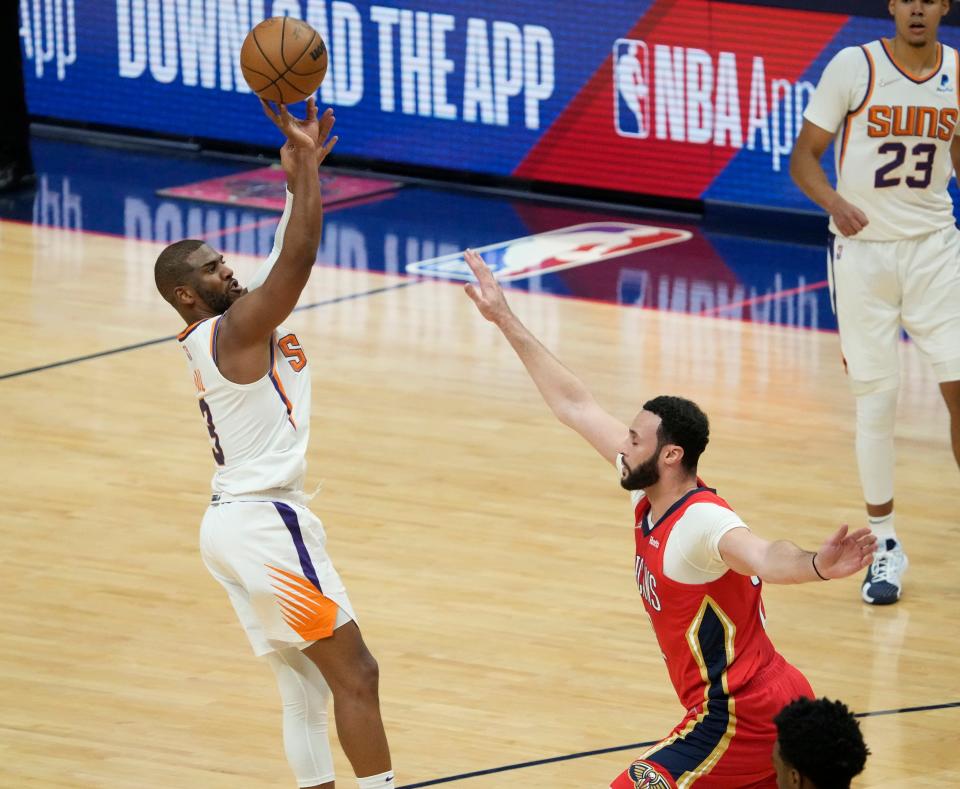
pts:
[212, 430]
[290, 348]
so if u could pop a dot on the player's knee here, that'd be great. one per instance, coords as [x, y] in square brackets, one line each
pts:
[369, 673]
[305, 706]
[875, 385]
[877, 413]
[300, 696]
[369, 676]
[362, 682]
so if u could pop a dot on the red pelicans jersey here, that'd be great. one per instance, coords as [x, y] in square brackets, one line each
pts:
[894, 131]
[711, 635]
[258, 432]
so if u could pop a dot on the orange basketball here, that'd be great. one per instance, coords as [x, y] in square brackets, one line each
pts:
[283, 59]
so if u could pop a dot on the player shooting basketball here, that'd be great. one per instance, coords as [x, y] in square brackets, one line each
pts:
[258, 538]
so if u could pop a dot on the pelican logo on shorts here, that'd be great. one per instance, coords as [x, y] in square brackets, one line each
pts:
[631, 88]
[49, 33]
[645, 776]
[569, 247]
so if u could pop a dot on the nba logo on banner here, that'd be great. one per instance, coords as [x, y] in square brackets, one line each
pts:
[569, 247]
[631, 88]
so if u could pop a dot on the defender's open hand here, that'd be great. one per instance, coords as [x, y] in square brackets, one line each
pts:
[486, 293]
[844, 554]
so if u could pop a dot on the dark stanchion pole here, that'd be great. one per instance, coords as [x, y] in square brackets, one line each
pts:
[16, 164]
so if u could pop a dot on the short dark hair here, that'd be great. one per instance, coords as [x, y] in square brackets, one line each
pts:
[172, 269]
[822, 740]
[681, 423]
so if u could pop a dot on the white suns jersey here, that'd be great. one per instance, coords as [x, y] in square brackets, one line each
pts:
[258, 432]
[894, 131]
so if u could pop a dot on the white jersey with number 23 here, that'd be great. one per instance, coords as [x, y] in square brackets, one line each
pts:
[894, 132]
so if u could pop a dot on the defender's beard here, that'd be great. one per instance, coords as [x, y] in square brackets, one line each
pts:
[644, 475]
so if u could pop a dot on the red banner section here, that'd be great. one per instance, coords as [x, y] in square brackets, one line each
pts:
[684, 91]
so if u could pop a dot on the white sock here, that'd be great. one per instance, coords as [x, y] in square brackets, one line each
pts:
[882, 527]
[382, 781]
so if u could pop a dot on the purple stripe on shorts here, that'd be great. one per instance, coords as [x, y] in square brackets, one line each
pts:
[293, 526]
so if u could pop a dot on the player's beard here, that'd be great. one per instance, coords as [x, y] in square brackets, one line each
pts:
[219, 302]
[644, 475]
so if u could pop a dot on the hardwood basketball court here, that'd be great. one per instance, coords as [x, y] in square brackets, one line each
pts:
[487, 549]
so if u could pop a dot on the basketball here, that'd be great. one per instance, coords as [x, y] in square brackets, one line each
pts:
[283, 60]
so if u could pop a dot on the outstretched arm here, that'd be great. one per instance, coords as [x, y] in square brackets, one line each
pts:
[566, 395]
[782, 562]
[261, 274]
[252, 318]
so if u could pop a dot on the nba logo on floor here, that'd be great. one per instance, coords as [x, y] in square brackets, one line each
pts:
[631, 88]
[568, 247]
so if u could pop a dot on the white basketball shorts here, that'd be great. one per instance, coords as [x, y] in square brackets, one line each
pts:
[877, 287]
[271, 558]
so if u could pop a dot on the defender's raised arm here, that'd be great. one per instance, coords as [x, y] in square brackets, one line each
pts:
[566, 394]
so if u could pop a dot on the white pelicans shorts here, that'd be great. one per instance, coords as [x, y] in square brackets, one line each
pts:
[270, 556]
[877, 287]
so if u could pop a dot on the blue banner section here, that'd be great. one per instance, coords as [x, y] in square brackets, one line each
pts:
[674, 98]
[751, 178]
[446, 83]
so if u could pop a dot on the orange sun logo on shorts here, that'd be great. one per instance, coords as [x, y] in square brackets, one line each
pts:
[645, 776]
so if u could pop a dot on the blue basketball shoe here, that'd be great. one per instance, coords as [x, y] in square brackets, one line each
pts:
[882, 586]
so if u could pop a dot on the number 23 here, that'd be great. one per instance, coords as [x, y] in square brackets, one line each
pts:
[923, 166]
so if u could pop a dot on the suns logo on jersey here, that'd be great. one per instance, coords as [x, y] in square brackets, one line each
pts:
[290, 348]
[645, 776]
[932, 122]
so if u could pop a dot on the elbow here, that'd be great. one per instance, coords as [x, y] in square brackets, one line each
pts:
[795, 167]
[307, 252]
[801, 159]
[564, 414]
[570, 410]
